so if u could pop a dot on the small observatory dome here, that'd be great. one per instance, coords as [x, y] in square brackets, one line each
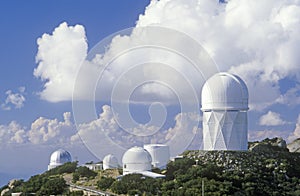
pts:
[110, 161]
[136, 159]
[58, 158]
[224, 91]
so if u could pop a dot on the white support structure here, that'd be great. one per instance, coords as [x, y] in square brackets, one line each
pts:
[225, 130]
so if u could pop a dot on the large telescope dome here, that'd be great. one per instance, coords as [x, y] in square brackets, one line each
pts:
[224, 91]
[58, 158]
[136, 159]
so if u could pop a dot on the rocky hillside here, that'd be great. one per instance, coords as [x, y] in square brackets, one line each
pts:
[294, 146]
[268, 168]
[267, 145]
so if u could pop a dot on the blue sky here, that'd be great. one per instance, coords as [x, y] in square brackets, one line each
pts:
[257, 40]
[23, 22]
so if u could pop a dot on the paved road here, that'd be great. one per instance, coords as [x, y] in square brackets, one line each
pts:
[68, 179]
[88, 189]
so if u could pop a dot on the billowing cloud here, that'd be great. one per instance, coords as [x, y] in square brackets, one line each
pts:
[257, 40]
[51, 131]
[42, 131]
[59, 57]
[288, 135]
[104, 134]
[291, 97]
[271, 119]
[15, 100]
[13, 133]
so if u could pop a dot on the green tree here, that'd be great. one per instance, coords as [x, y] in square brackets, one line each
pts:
[76, 193]
[179, 166]
[53, 186]
[192, 191]
[68, 167]
[34, 184]
[168, 187]
[105, 183]
[132, 182]
[75, 177]
[119, 187]
[85, 172]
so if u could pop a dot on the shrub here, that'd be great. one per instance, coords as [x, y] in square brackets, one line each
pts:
[105, 183]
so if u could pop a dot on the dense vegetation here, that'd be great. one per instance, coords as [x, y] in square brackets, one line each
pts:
[221, 173]
[238, 173]
[266, 169]
[105, 182]
[83, 172]
[48, 183]
[137, 184]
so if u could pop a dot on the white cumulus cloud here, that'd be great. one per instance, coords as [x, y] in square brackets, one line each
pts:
[51, 131]
[288, 135]
[291, 97]
[42, 131]
[13, 99]
[59, 57]
[257, 40]
[271, 119]
[13, 133]
[104, 135]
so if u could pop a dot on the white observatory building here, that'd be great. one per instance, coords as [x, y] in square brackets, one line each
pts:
[160, 154]
[110, 162]
[138, 160]
[58, 158]
[225, 106]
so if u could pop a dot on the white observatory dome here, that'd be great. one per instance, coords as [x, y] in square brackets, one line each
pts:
[160, 154]
[224, 91]
[110, 161]
[136, 159]
[58, 158]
